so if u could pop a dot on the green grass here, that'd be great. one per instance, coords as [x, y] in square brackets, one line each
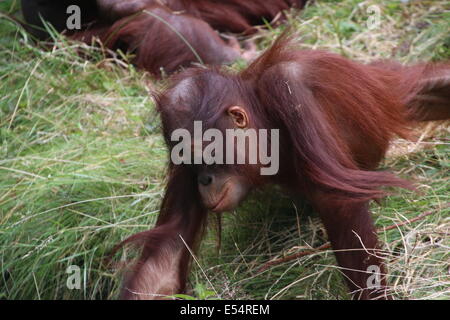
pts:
[82, 166]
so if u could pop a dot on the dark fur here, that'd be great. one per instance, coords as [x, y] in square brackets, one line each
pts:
[336, 119]
[160, 39]
[168, 34]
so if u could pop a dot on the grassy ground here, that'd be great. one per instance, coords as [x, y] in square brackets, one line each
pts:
[82, 166]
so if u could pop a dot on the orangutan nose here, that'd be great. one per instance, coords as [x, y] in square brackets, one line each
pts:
[205, 179]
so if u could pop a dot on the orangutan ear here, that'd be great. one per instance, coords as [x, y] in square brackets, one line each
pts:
[239, 116]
